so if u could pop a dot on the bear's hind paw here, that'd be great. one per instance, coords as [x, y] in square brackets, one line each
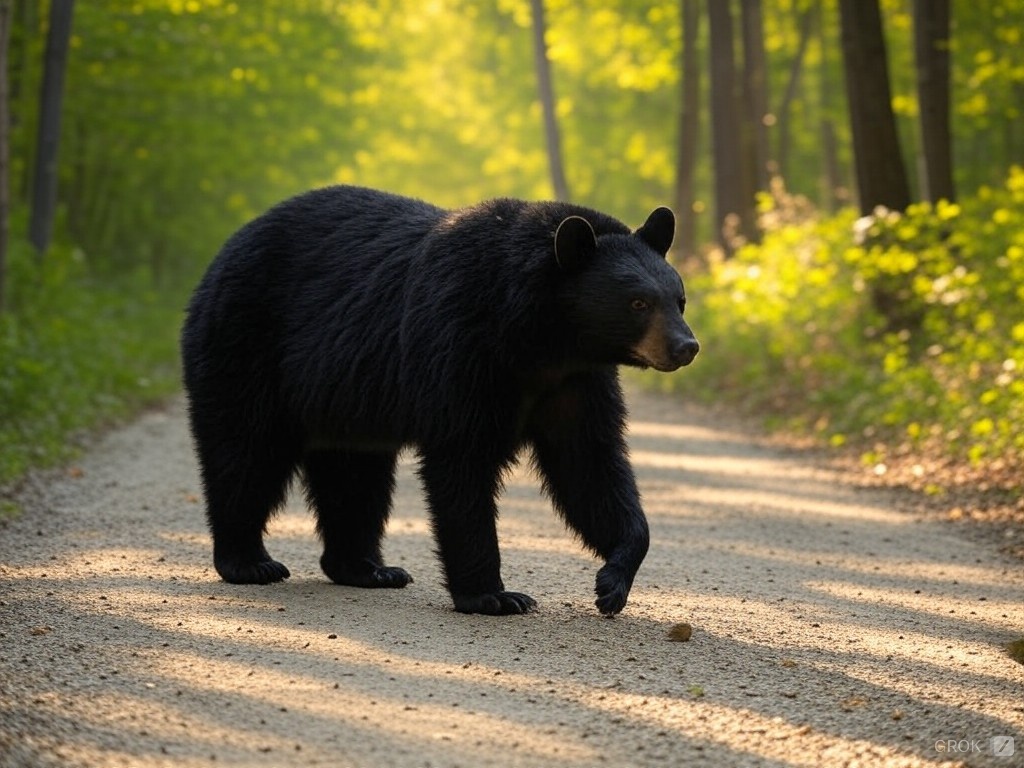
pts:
[391, 577]
[495, 603]
[249, 572]
[369, 576]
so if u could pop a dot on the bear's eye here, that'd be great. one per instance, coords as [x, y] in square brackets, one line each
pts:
[639, 305]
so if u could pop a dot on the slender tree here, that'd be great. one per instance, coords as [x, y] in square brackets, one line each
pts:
[547, 100]
[731, 210]
[6, 12]
[755, 93]
[44, 185]
[931, 55]
[881, 175]
[834, 192]
[806, 16]
[689, 128]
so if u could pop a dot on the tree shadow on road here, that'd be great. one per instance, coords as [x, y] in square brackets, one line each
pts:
[827, 629]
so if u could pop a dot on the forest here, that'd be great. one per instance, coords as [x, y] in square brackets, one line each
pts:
[848, 177]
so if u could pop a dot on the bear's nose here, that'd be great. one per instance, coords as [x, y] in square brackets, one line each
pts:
[685, 350]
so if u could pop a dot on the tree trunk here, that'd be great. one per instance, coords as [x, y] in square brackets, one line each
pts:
[832, 196]
[881, 176]
[44, 185]
[755, 89]
[731, 210]
[6, 13]
[689, 128]
[22, 100]
[931, 55]
[795, 69]
[547, 100]
[834, 193]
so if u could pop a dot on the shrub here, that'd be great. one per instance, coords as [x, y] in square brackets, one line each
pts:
[900, 327]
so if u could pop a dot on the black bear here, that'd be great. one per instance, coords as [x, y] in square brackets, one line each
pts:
[347, 323]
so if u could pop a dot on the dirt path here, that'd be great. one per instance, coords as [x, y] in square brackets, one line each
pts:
[828, 629]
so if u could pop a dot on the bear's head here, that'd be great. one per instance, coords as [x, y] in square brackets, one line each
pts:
[623, 300]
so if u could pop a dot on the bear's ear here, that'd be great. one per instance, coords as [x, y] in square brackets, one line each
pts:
[575, 243]
[658, 230]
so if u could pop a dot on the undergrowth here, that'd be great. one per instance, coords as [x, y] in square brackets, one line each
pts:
[894, 332]
[76, 351]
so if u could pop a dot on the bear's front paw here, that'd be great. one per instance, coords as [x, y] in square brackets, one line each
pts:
[612, 590]
[495, 603]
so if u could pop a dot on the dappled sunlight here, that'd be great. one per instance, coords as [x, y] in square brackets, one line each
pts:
[392, 692]
[712, 464]
[191, 538]
[769, 503]
[160, 720]
[103, 561]
[725, 727]
[816, 613]
[433, 711]
[992, 612]
[293, 521]
[419, 527]
[783, 628]
[685, 433]
[246, 652]
[890, 566]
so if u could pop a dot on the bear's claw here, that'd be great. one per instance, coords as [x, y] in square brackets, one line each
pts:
[495, 603]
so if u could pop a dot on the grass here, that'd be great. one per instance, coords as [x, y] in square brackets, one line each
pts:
[77, 351]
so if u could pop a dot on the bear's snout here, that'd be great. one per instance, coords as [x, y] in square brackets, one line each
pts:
[677, 354]
[684, 350]
[668, 345]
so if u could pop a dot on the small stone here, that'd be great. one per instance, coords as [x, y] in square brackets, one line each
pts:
[680, 633]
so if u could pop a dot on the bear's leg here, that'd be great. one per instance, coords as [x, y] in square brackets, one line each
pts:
[461, 487]
[351, 494]
[581, 455]
[593, 488]
[244, 485]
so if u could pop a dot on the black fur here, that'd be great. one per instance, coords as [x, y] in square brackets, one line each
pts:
[347, 323]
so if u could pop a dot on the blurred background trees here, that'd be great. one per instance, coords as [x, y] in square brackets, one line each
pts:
[183, 117]
[180, 119]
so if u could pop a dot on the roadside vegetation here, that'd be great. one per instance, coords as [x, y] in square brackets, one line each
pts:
[893, 331]
[76, 353]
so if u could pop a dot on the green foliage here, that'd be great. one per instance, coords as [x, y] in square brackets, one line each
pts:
[76, 352]
[902, 327]
[184, 118]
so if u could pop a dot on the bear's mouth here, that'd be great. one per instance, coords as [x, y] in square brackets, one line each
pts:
[639, 361]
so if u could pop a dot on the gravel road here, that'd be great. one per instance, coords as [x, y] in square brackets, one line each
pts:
[828, 628]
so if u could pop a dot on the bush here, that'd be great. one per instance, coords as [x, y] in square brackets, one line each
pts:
[76, 351]
[896, 327]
